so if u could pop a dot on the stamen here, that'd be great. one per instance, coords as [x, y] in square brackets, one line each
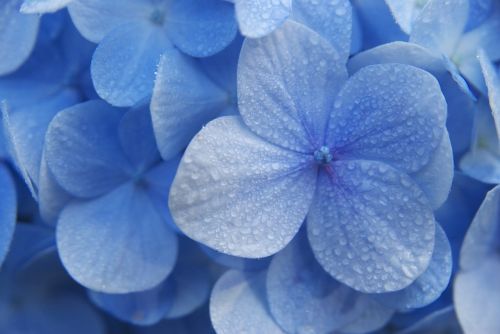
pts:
[323, 155]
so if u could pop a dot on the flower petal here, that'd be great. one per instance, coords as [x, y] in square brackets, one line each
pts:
[117, 243]
[438, 322]
[257, 18]
[440, 24]
[184, 99]
[284, 100]
[303, 297]
[458, 97]
[481, 240]
[436, 177]
[94, 19]
[405, 12]
[123, 66]
[238, 304]
[201, 28]
[392, 113]
[428, 286]
[374, 317]
[83, 151]
[8, 208]
[232, 187]
[370, 226]
[477, 294]
[331, 19]
[18, 37]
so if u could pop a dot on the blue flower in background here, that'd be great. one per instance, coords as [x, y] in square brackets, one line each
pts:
[113, 234]
[476, 288]
[365, 159]
[132, 35]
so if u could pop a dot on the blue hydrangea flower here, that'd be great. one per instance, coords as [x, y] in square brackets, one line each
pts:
[43, 6]
[476, 288]
[365, 159]
[36, 294]
[482, 162]
[132, 35]
[113, 234]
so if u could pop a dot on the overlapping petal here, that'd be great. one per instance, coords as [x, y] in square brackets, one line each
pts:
[370, 226]
[257, 18]
[232, 187]
[8, 206]
[284, 100]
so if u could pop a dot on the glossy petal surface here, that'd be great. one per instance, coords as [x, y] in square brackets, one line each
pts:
[231, 202]
[391, 113]
[428, 286]
[284, 100]
[257, 18]
[370, 226]
[331, 19]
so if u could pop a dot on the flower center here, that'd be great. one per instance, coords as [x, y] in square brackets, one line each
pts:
[323, 156]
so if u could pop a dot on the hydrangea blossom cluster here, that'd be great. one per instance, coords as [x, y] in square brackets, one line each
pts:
[249, 166]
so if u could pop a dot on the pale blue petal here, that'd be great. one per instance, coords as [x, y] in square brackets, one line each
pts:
[8, 209]
[201, 28]
[405, 12]
[238, 304]
[123, 66]
[492, 81]
[481, 240]
[96, 18]
[438, 322]
[440, 24]
[257, 18]
[117, 243]
[331, 19]
[287, 82]
[373, 317]
[184, 99]
[137, 139]
[232, 187]
[43, 6]
[139, 308]
[436, 177]
[392, 113]
[303, 298]
[18, 37]
[83, 151]
[477, 294]
[458, 96]
[357, 33]
[25, 130]
[370, 226]
[428, 286]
